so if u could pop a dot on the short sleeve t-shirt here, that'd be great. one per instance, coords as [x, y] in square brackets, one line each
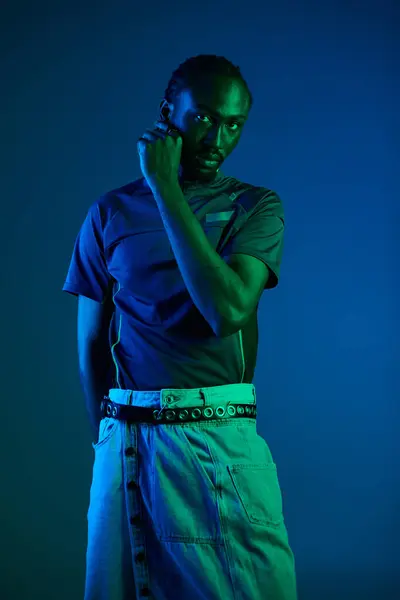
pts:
[158, 337]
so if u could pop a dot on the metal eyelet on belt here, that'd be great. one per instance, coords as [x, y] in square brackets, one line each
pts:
[220, 410]
[170, 415]
[196, 413]
[114, 411]
[109, 409]
[183, 414]
[208, 412]
[240, 410]
[157, 414]
[231, 410]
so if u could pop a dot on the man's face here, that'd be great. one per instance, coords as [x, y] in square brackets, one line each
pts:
[210, 118]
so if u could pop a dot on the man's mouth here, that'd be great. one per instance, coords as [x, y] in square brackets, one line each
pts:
[209, 161]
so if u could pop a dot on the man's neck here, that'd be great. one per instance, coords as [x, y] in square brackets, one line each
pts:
[185, 177]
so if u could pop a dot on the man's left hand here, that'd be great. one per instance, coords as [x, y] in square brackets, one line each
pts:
[160, 155]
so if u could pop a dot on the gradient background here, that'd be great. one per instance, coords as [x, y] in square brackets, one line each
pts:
[81, 82]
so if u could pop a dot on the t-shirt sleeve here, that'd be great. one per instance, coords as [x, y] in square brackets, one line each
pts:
[88, 274]
[262, 235]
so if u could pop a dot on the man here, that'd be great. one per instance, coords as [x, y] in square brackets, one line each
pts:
[185, 500]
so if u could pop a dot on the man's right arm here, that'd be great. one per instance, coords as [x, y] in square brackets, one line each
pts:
[94, 355]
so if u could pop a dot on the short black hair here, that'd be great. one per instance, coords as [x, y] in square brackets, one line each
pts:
[202, 64]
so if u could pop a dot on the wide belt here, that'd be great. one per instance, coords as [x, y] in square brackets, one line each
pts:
[139, 414]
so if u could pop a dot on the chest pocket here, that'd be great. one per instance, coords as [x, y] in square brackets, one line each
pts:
[217, 227]
[214, 232]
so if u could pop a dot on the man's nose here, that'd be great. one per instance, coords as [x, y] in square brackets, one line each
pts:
[215, 136]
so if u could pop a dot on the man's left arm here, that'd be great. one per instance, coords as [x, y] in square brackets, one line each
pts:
[217, 290]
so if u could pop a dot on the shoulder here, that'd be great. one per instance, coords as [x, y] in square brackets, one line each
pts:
[255, 198]
[114, 200]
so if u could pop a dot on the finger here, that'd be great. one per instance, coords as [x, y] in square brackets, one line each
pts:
[141, 144]
[167, 128]
[154, 134]
[157, 133]
[150, 136]
[161, 125]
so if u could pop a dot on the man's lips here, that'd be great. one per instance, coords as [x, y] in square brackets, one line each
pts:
[210, 157]
[207, 162]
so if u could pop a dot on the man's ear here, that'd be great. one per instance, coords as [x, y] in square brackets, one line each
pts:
[165, 111]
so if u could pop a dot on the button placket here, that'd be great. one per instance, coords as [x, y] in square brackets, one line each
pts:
[136, 532]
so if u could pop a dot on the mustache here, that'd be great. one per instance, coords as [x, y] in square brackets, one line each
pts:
[190, 154]
[210, 154]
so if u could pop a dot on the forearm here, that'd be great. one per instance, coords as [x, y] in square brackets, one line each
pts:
[214, 287]
[94, 369]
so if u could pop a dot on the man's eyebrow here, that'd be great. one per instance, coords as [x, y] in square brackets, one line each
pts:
[214, 112]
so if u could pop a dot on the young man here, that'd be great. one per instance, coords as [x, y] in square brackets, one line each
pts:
[185, 500]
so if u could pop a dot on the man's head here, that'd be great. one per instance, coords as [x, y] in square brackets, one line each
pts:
[208, 102]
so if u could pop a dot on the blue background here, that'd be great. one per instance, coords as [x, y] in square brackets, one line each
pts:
[81, 82]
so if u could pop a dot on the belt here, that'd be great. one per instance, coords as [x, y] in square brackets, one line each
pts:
[124, 412]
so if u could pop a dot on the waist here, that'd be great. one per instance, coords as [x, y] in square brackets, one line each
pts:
[181, 405]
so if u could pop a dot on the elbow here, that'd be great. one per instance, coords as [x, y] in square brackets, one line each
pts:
[228, 327]
[230, 322]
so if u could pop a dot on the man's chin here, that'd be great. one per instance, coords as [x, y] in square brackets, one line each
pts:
[200, 173]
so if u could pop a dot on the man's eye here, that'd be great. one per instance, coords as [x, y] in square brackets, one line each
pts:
[199, 117]
[234, 125]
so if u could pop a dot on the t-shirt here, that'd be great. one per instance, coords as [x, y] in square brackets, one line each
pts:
[158, 337]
